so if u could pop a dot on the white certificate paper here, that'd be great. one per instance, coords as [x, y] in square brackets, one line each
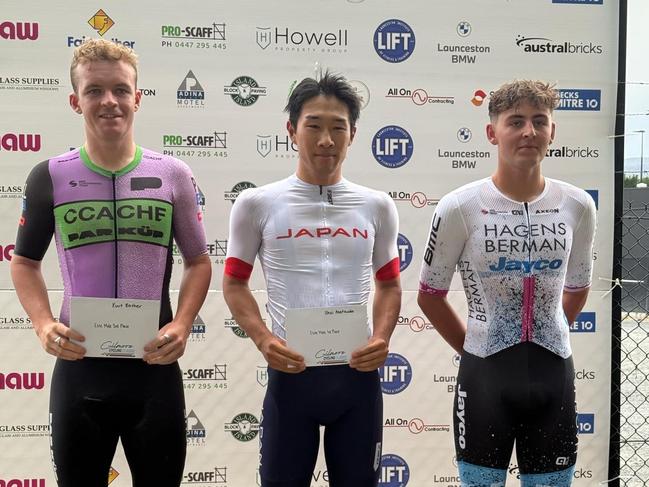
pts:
[116, 328]
[326, 336]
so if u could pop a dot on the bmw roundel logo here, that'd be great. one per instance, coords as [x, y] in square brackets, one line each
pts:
[464, 134]
[463, 29]
[392, 146]
[394, 41]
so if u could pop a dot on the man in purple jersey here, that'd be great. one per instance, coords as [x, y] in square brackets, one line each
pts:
[115, 210]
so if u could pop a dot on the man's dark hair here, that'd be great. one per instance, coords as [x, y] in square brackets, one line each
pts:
[328, 85]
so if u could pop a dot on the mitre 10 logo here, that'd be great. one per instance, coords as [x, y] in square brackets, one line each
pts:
[20, 142]
[22, 31]
[22, 483]
[22, 380]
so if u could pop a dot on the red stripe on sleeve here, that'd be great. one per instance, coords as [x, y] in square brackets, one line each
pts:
[389, 270]
[237, 268]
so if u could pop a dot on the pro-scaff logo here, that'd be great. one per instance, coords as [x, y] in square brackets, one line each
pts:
[392, 146]
[216, 475]
[208, 144]
[395, 472]
[396, 374]
[244, 427]
[394, 41]
[579, 99]
[232, 195]
[194, 36]
[244, 91]
[404, 248]
[214, 377]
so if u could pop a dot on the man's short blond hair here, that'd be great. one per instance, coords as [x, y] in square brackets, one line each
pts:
[101, 50]
[539, 94]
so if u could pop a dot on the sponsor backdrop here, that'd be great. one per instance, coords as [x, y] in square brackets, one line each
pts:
[215, 79]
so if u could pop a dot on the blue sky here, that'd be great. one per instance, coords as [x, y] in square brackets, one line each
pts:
[637, 71]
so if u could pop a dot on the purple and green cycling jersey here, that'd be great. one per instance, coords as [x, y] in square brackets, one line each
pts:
[114, 231]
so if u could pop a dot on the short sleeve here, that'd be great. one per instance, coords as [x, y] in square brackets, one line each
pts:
[385, 257]
[187, 216]
[244, 239]
[580, 261]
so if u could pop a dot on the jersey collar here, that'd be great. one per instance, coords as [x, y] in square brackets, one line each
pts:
[100, 170]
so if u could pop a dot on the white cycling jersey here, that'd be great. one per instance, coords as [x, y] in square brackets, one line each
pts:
[317, 244]
[515, 260]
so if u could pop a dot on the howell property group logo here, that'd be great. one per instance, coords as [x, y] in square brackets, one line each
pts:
[20, 142]
[22, 380]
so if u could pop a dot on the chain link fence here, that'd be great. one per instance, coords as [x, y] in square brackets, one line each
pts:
[632, 341]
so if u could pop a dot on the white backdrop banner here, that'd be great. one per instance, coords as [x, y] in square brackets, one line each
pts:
[215, 78]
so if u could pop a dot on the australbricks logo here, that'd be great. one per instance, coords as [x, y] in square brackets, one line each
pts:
[244, 91]
[244, 427]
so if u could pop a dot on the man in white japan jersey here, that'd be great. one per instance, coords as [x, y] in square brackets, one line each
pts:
[522, 244]
[320, 240]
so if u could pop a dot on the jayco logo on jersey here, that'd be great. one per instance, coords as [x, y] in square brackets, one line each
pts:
[23, 31]
[396, 374]
[22, 380]
[578, 99]
[392, 146]
[505, 264]
[21, 142]
[394, 41]
[586, 322]
[22, 482]
[405, 252]
[395, 472]
[585, 423]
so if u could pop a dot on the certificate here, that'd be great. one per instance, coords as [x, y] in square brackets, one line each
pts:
[117, 328]
[326, 336]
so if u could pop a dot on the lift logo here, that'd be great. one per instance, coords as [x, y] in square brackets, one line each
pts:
[394, 41]
[392, 146]
[394, 471]
[405, 252]
[395, 374]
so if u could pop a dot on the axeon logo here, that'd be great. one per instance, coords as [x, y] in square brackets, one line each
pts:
[585, 423]
[394, 471]
[392, 146]
[20, 142]
[394, 41]
[22, 483]
[405, 252]
[396, 374]
[22, 380]
[586, 322]
[22, 31]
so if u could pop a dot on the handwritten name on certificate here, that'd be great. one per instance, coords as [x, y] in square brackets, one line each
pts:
[326, 336]
[117, 328]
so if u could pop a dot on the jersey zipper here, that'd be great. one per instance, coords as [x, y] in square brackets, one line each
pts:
[528, 286]
[115, 232]
[326, 271]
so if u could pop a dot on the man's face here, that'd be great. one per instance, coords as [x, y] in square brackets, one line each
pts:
[522, 135]
[322, 135]
[107, 97]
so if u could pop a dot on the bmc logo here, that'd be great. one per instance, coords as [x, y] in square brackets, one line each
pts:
[394, 471]
[19, 30]
[22, 483]
[24, 380]
[586, 322]
[395, 374]
[21, 142]
[586, 423]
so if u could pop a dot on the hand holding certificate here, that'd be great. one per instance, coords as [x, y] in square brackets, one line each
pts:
[326, 336]
[117, 328]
